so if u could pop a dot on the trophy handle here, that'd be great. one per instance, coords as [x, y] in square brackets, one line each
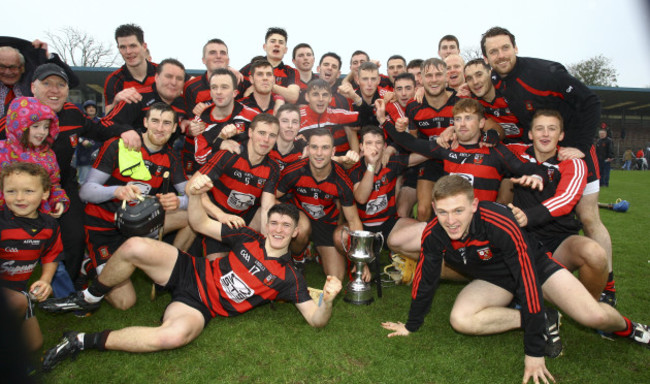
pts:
[345, 229]
[381, 236]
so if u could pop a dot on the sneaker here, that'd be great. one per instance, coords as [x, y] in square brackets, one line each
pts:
[72, 303]
[608, 297]
[552, 333]
[69, 346]
[641, 334]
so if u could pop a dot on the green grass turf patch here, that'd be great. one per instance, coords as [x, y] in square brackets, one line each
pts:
[275, 345]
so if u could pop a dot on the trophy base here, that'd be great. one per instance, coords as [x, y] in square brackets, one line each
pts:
[356, 301]
[358, 293]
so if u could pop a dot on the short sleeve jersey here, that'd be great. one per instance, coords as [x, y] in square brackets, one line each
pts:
[317, 199]
[247, 277]
[24, 243]
[238, 185]
[381, 202]
[102, 215]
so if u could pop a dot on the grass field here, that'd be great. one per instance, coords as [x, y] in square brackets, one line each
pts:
[277, 346]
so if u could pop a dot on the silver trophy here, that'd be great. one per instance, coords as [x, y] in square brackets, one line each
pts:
[360, 252]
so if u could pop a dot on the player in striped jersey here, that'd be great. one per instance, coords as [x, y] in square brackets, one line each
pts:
[318, 185]
[114, 179]
[257, 271]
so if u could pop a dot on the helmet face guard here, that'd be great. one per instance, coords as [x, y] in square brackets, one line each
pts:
[145, 218]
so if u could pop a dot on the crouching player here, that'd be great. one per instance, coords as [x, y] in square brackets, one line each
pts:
[483, 240]
[255, 271]
[27, 237]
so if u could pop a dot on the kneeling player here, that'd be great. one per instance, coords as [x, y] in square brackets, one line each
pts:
[484, 241]
[201, 289]
[120, 175]
[550, 214]
[318, 185]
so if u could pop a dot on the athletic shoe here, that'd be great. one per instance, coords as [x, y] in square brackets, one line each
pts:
[69, 346]
[621, 205]
[552, 333]
[641, 334]
[74, 302]
[608, 297]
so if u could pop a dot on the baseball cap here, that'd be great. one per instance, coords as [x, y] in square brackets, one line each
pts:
[49, 69]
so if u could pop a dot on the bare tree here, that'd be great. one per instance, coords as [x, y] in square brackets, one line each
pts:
[78, 48]
[597, 71]
[471, 53]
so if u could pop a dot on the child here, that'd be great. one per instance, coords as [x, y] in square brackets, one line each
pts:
[27, 236]
[31, 128]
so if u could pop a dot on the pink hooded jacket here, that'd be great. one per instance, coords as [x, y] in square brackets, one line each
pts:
[22, 113]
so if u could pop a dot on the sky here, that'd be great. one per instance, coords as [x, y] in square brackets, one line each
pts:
[558, 30]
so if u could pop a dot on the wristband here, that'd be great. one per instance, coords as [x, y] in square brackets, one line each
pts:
[371, 168]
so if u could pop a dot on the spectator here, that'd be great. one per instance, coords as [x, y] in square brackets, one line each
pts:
[628, 156]
[605, 154]
[87, 147]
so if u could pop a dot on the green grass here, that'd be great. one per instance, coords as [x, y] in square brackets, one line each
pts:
[277, 346]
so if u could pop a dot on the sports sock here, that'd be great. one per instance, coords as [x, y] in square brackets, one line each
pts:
[98, 290]
[95, 340]
[629, 327]
[610, 286]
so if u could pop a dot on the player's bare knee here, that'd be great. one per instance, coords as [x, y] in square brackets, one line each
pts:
[595, 256]
[597, 319]
[123, 302]
[461, 322]
[172, 338]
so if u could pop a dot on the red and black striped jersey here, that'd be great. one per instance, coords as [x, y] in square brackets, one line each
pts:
[133, 114]
[238, 185]
[483, 167]
[303, 85]
[203, 145]
[74, 124]
[196, 90]
[122, 79]
[251, 103]
[317, 199]
[332, 119]
[247, 277]
[24, 243]
[495, 249]
[429, 121]
[285, 75]
[102, 215]
[381, 202]
[290, 157]
[551, 212]
[498, 111]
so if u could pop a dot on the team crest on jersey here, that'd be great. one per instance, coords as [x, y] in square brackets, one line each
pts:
[478, 158]
[103, 253]
[529, 105]
[484, 253]
[268, 280]
[74, 140]
[235, 288]
[551, 174]
[240, 126]
[260, 182]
